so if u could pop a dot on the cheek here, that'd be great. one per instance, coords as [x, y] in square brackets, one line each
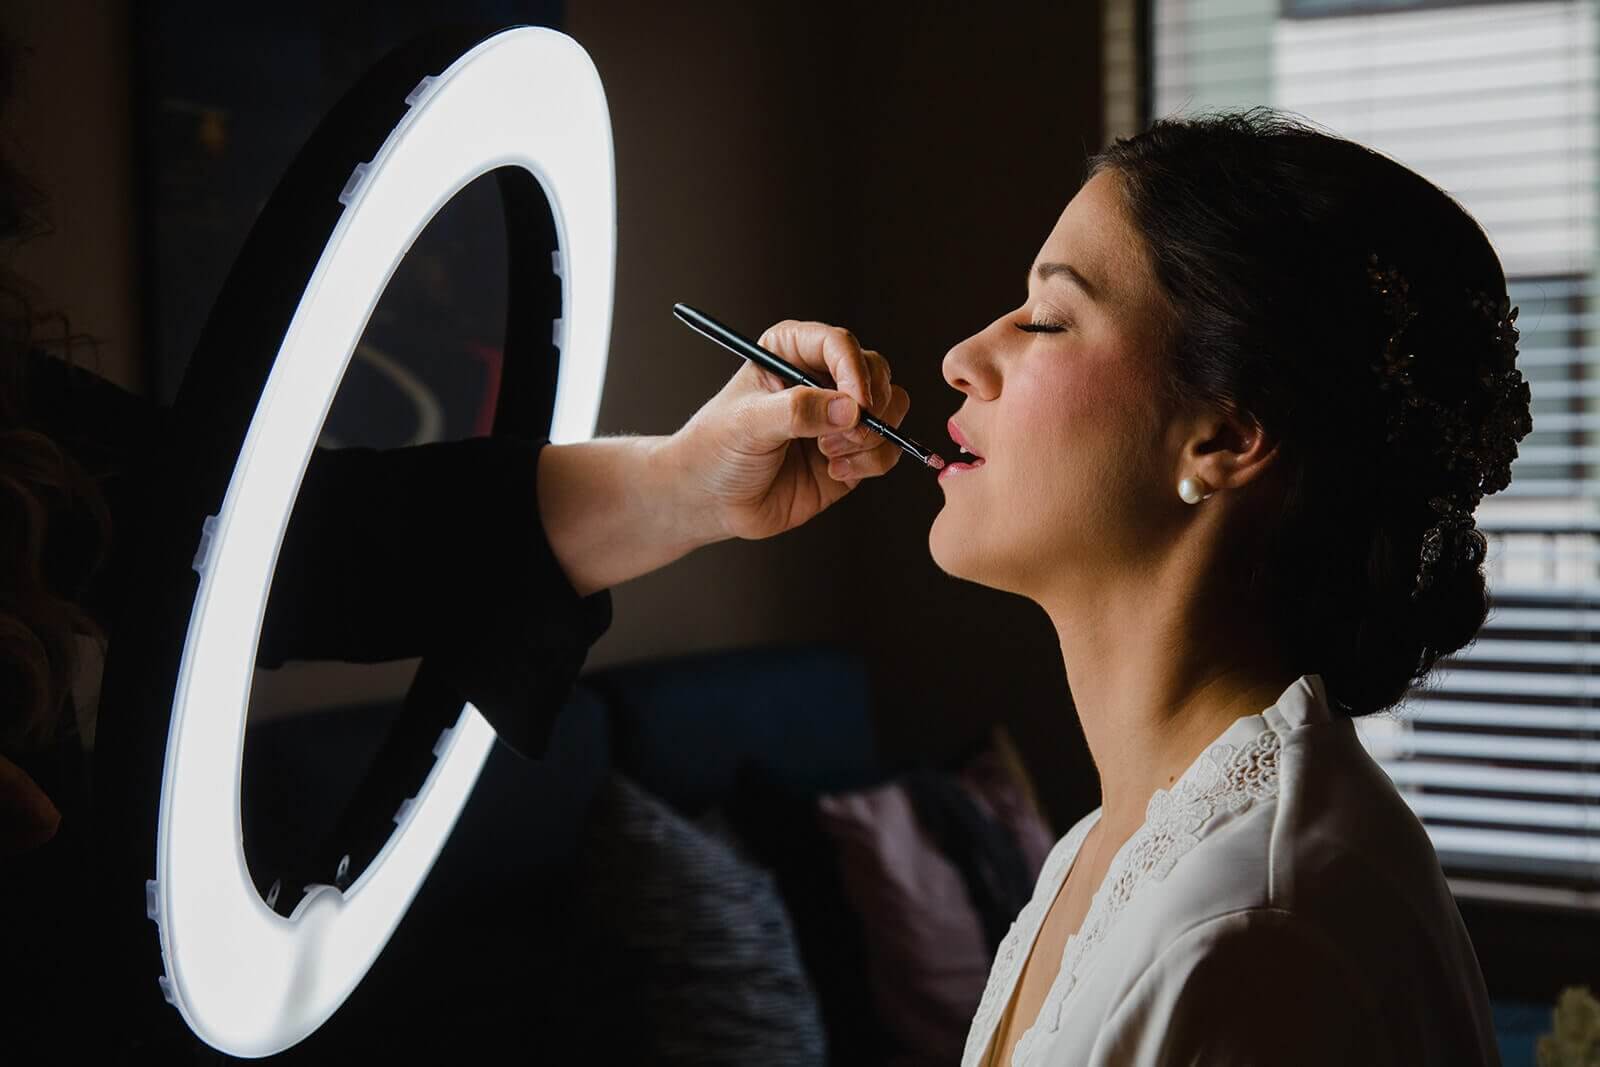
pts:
[1072, 446]
[1082, 424]
[1084, 447]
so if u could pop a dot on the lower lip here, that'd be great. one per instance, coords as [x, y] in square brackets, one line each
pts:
[952, 469]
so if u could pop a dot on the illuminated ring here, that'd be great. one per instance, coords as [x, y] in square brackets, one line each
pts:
[247, 980]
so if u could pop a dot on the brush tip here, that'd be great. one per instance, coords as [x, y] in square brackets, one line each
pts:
[935, 462]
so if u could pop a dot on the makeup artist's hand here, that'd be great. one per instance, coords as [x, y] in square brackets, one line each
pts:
[762, 458]
[756, 460]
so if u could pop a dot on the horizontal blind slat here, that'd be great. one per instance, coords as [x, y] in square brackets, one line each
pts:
[1573, 785]
[1500, 714]
[1455, 679]
[1509, 812]
[1583, 849]
[1530, 652]
[1409, 743]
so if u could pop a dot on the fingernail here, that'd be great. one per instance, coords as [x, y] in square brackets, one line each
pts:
[839, 469]
[858, 435]
[833, 442]
[841, 411]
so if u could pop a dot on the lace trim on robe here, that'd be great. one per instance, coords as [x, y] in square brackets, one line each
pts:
[1224, 778]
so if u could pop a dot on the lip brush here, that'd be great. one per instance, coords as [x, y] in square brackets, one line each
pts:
[739, 345]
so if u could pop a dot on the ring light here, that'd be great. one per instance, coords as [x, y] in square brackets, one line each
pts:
[247, 980]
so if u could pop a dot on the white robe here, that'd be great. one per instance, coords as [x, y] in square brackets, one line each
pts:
[1281, 904]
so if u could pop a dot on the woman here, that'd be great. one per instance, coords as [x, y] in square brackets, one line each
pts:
[1232, 442]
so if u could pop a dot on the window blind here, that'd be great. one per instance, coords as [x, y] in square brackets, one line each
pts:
[1499, 754]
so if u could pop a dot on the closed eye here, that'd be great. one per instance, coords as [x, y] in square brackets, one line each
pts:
[1038, 327]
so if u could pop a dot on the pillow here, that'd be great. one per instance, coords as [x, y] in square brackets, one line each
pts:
[696, 941]
[928, 954]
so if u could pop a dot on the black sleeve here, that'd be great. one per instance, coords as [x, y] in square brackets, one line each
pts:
[435, 550]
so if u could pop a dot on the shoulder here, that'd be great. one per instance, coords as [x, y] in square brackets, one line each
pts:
[1331, 841]
[1327, 829]
[1344, 844]
[1325, 838]
[1317, 914]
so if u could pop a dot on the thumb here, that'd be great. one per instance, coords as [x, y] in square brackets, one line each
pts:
[774, 419]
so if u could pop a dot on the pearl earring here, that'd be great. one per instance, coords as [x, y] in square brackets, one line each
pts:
[1192, 491]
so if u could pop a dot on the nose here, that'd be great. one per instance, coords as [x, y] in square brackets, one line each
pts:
[971, 368]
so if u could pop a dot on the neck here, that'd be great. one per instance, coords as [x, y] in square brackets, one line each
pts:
[1159, 667]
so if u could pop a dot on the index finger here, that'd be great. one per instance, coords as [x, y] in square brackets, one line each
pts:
[818, 348]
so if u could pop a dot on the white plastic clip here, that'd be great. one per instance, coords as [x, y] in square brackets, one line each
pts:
[272, 893]
[208, 535]
[343, 870]
[152, 900]
[358, 178]
[444, 742]
[423, 90]
[166, 990]
[555, 332]
[405, 809]
[557, 266]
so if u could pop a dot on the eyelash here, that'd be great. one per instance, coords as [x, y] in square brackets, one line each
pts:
[1038, 327]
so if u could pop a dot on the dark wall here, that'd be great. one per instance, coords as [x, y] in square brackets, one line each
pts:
[892, 168]
[69, 128]
[976, 134]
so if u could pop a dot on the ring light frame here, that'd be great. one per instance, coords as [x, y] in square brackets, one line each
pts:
[247, 980]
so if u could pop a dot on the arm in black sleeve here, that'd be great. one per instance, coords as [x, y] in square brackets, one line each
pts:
[435, 550]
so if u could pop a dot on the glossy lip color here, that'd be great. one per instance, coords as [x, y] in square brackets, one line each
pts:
[952, 469]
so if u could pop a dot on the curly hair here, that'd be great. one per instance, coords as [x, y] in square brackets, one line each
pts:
[1263, 231]
[41, 618]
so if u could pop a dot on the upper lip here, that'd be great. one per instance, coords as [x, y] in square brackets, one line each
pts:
[961, 439]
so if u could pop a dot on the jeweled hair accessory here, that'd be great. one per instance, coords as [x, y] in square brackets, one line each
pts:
[1473, 440]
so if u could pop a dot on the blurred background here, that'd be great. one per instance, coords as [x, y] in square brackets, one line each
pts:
[893, 168]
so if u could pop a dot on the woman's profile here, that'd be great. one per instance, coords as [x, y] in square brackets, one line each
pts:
[1232, 443]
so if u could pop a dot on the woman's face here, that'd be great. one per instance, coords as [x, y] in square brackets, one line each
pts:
[1080, 460]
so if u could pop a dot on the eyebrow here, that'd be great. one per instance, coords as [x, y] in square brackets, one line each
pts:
[1046, 271]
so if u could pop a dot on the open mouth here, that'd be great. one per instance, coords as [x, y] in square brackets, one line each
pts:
[967, 459]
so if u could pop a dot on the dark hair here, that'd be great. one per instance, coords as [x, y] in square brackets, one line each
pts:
[1262, 231]
[40, 486]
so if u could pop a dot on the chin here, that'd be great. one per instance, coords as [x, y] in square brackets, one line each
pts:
[952, 548]
[982, 553]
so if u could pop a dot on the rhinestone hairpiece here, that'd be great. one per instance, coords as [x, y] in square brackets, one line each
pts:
[1473, 441]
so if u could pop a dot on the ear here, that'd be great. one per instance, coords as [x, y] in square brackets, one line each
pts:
[1226, 451]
